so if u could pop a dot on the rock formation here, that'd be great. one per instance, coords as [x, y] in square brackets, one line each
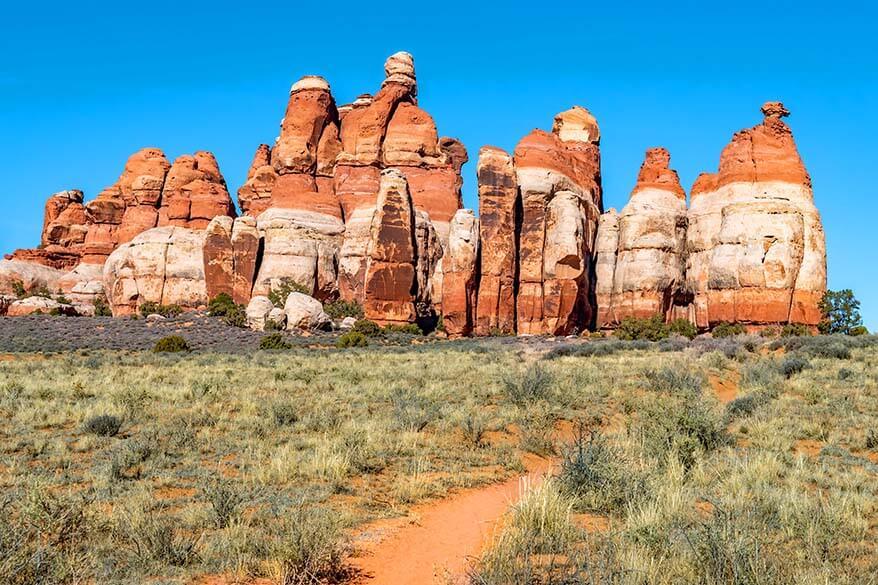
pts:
[389, 130]
[163, 265]
[194, 192]
[460, 274]
[756, 246]
[498, 221]
[363, 202]
[559, 179]
[641, 251]
[390, 284]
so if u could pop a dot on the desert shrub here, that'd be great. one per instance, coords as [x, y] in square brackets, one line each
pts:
[673, 344]
[728, 347]
[769, 332]
[284, 414]
[648, 329]
[760, 374]
[237, 317]
[591, 349]
[683, 328]
[729, 549]
[280, 291]
[274, 341]
[683, 427]
[407, 329]
[792, 365]
[367, 328]
[845, 374]
[795, 330]
[833, 350]
[858, 330]
[154, 537]
[308, 548]
[474, 426]
[674, 380]
[233, 314]
[340, 309]
[722, 330]
[871, 440]
[595, 474]
[535, 383]
[412, 411]
[535, 543]
[18, 289]
[102, 307]
[743, 406]
[41, 537]
[102, 425]
[352, 339]
[151, 308]
[225, 501]
[171, 344]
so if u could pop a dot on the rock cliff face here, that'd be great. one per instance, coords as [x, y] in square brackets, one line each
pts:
[757, 252]
[363, 202]
[558, 176]
[641, 251]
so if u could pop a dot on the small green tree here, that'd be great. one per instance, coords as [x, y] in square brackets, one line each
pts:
[841, 312]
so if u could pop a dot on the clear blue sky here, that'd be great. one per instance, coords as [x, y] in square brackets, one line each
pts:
[84, 84]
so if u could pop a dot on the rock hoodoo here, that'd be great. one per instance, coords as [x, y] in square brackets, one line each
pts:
[641, 251]
[363, 202]
[755, 243]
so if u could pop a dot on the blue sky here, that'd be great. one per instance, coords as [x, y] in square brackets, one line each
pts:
[83, 85]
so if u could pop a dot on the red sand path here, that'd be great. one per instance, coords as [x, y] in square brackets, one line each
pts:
[437, 540]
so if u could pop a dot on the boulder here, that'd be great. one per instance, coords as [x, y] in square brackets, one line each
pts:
[31, 276]
[300, 246]
[390, 283]
[305, 313]
[498, 200]
[347, 323]
[755, 242]
[38, 305]
[258, 310]
[163, 265]
[460, 278]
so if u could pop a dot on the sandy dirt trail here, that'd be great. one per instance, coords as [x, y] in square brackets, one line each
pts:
[436, 541]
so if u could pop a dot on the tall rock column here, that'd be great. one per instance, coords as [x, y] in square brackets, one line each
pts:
[389, 130]
[390, 284]
[648, 276]
[558, 175]
[194, 192]
[230, 255]
[498, 231]
[606, 256]
[460, 274]
[757, 251]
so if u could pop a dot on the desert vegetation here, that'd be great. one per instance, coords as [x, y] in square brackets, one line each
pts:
[745, 459]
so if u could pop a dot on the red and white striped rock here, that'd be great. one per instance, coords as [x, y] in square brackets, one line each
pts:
[559, 182]
[390, 284]
[757, 251]
[460, 274]
[648, 268]
[498, 199]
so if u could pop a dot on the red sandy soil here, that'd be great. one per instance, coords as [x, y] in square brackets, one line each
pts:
[725, 387]
[437, 540]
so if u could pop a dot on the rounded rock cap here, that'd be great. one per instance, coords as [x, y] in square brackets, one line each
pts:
[576, 125]
[310, 82]
[400, 63]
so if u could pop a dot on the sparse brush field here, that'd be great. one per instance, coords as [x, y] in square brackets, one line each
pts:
[734, 461]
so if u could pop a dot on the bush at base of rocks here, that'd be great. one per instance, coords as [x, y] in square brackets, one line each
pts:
[727, 330]
[409, 329]
[274, 341]
[367, 328]
[171, 344]
[352, 339]
[151, 308]
[795, 330]
[280, 292]
[683, 327]
[649, 329]
[341, 309]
